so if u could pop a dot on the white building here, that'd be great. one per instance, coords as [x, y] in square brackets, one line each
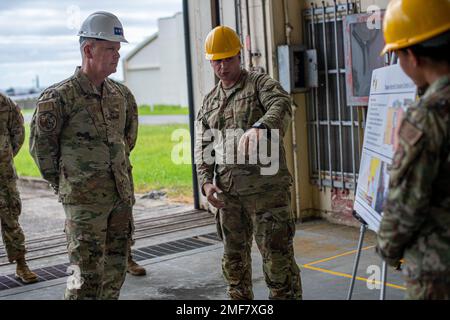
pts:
[155, 71]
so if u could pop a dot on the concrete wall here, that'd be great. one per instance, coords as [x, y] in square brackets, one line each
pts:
[200, 25]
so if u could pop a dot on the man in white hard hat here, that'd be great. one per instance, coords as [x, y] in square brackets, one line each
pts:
[82, 133]
[98, 26]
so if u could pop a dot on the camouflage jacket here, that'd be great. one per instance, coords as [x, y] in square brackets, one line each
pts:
[12, 135]
[416, 221]
[255, 99]
[81, 139]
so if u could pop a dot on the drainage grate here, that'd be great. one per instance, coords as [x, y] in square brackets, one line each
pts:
[150, 252]
[44, 274]
[211, 236]
[167, 248]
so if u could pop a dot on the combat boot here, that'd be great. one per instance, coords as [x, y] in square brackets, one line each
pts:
[24, 273]
[134, 268]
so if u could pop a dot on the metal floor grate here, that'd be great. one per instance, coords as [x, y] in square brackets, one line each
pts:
[150, 252]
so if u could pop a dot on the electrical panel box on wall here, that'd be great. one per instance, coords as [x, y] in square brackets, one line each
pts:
[297, 68]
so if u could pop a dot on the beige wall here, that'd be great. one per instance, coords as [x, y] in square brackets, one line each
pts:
[200, 25]
[280, 36]
[326, 202]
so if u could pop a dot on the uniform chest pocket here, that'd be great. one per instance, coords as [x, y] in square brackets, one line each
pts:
[213, 117]
[247, 110]
[228, 114]
[117, 116]
[85, 123]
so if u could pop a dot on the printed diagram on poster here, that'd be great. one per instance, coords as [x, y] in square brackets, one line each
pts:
[391, 92]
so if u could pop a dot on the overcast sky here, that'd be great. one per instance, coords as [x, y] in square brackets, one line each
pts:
[38, 37]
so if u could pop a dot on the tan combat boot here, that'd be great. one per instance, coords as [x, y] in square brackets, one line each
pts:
[134, 268]
[24, 273]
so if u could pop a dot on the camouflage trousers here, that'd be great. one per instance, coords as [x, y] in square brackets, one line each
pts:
[131, 241]
[10, 209]
[98, 238]
[428, 289]
[269, 218]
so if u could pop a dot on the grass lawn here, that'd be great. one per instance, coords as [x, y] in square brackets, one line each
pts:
[27, 111]
[153, 168]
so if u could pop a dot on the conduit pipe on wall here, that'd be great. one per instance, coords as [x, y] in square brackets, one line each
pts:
[266, 51]
[248, 38]
[187, 40]
[287, 24]
[288, 29]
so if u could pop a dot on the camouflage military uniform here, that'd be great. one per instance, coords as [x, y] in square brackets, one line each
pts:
[255, 204]
[12, 135]
[81, 140]
[416, 220]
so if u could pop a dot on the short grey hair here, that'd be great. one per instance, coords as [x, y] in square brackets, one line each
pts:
[85, 41]
[82, 40]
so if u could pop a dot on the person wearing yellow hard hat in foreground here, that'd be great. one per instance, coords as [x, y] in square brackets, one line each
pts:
[251, 201]
[416, 220]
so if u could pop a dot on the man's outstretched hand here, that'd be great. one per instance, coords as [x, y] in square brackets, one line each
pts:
[249, 141]
[210, 190]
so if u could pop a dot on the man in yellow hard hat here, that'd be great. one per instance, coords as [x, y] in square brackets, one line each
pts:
[251, 201]
[416, 220]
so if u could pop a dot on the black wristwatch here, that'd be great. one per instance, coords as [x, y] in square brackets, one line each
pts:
[259, 125]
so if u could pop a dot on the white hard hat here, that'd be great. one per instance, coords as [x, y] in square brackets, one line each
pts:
[102, 25]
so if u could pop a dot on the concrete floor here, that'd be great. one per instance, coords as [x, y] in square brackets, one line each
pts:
[324, 252]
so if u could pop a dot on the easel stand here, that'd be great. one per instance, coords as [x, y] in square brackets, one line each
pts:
[362, 232]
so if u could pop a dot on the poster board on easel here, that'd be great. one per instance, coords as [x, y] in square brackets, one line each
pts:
[391, 92]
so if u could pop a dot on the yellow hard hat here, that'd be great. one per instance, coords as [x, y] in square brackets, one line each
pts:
[221, 43]
[409, 22]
